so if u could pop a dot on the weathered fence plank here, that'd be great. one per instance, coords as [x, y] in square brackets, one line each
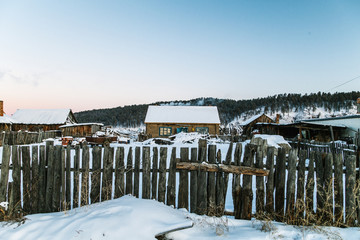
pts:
[68, 178]
[4, 172]
[63, 179]
[171, 195]
[154, 173]
[96, 174]
[246, 192]
[162, 175]
[320, 192]
[42, 180]
[108, 161]
[129, 173]
[137, 172]
[269, 207]
[211, 182]
[201, 207]
[56, 202]
[260, 192]
[328, 188]
[350, 183]
[183, 195]
[15, 202]
[236, 187]
[25, 157]
[119, 172]
[49, 178]
[220, 188]
[146, 173]
[290, 190]
[310, 185]
[280, 184]
[85, 188]
[300, 201]
[76, 179]
[338, 187]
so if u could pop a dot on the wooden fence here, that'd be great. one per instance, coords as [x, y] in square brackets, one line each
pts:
[25, 137]
[299, 186]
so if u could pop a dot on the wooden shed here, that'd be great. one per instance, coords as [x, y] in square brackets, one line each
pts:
[164, 121]
[249, 125]
[80, 129]
[41, 119]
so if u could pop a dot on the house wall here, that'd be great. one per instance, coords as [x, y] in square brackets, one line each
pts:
[35, 127]
[5, 127]
[80, 131]
[152, 129]
[249, 128]
[352, 124]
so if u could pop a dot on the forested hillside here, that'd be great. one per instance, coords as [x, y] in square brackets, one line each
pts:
[134, 115]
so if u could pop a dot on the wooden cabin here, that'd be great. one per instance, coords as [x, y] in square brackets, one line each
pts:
[5, 121]
[250, 124]
[164, 121]
[41, 119]
[80, 129]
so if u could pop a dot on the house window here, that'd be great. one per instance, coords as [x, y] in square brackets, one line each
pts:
[165, 131]
[182, 129]
[202, 130]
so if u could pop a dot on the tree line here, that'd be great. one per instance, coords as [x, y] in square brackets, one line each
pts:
[229, 109]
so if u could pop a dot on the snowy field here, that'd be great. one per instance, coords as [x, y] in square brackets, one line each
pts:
[131, 218]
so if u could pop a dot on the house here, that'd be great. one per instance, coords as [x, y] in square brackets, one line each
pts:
[41, 119]
[164, 121]
[250, 124]
[5, 121]
[80, 129]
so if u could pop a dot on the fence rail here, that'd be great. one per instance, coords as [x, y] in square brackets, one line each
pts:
[300, 185]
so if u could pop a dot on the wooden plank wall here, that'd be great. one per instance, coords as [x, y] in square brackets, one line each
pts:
[25, 137]
[288, 194]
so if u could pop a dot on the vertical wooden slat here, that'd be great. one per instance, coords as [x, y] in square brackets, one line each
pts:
[236, 187]
[193, 182]
[4, 172]
[212, 183]
[119, 173]
[260, 191]
[246, 192]
[228, 160]
[154, 174]
[129, 172]
[328, 188]
[183, 195]
[137, 172]
[290, 190]
[171, 195]
[108, 173]
[280, 184]
[320, 192]
[68, 177]
[300, 201]
[202, 198]
[76, 189]
[49, 178]
[25, 157]
[63, 179]
[269, 207]
[310, 185]
[146, 173]
[162, 175]
[220, 188]
[42, 180]
[85, 189]
[15, 203]
[95, 175]
[338, 188]
[350, 183]
[57, 178]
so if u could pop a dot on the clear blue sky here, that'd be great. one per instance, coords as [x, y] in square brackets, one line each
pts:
[100, 54]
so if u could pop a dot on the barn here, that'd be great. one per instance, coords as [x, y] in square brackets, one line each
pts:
[164, 121]
[41, 119]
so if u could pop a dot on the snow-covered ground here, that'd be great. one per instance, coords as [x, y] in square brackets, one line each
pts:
[131, 218]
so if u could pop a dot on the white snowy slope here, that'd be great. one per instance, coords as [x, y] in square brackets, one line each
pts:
[131, 218]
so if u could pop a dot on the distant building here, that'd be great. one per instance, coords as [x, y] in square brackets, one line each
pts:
[164, 121]
[80, 129]
[41, 119]
[5, 121]
[250, 124]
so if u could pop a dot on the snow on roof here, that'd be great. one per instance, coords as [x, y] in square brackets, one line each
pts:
[6, 119]
[41, 116]
[81, 124]
[182, 114]
[253, 118]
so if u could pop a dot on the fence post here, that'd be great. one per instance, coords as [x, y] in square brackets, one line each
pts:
[129, 172]
[15, 203]
[300, 201]
[25, 157]
[211, 182]
[137, 172]
[4, 172]
[183, 194]
[162, 175]
[228, 160]
[202, 198]
[96, 174]
[269, 207]
[171, 196]
[320, 192]
[236, 187]
[290, 190]
[85, 175]
[56, 202]
[68, 177]
[328, 188]
[42, 180]
[108, 161]
[49, 178]
[146, 173]
[350, 183]
[260, 192]
[247, 194]
[338, 188]
[76, 189]
[119, 173]
[280, 184]
[154, 174]
[63, 179]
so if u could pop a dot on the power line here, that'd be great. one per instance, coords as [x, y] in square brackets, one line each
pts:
[344, 83]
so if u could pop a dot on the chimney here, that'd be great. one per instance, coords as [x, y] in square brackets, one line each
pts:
[1, 108]
[358, 105]
[277, 120]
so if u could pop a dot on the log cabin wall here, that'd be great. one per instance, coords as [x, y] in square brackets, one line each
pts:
[152, 129]
[35, 127]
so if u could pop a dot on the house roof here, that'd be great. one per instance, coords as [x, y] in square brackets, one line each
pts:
[6, 119]
[182, 114]
[41, 116]
[81, 124]
[253, 118]
[331, 119]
